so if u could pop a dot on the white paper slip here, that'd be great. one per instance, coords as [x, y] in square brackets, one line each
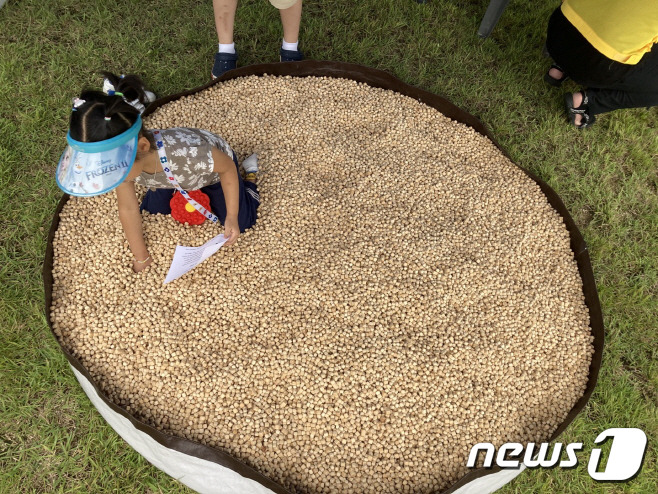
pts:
[187, 258]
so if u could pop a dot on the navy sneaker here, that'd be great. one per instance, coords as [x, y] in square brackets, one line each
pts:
[223, 63]
[290, 55]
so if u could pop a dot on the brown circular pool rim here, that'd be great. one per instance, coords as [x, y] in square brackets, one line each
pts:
[378, 79]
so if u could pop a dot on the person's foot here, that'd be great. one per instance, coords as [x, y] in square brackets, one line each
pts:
[250, 164]
[577, 99]
[555, 76]
[290, 55]
[223, 63]
[250, 167]
[555, 73]
[577, 106]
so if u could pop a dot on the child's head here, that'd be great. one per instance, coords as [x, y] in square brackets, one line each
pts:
[102, 116]
[105, 132]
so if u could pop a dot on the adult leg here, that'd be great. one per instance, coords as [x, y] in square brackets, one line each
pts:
[637, 89]
[290, 20]
[224, 11]
[605, 100]
[226, 57]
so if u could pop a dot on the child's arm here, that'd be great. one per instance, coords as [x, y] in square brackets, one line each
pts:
[131, 221]
[228, 176]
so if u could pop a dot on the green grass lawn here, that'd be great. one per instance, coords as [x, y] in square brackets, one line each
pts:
[53, 440]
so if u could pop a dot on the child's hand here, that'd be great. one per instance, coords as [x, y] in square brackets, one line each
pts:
[231, 230]
[141, 266]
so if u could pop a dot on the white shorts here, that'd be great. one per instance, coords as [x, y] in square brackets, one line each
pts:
[283, 4]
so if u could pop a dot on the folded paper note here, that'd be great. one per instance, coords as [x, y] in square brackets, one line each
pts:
[187, 258]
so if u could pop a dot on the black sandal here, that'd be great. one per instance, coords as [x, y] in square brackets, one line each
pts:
[554, 81]
[586, 119]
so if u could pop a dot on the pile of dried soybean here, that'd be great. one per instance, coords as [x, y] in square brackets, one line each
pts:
[406, 293]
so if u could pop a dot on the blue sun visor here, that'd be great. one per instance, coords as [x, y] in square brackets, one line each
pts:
[92, 168]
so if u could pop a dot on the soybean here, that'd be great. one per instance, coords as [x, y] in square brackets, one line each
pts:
[406, 293]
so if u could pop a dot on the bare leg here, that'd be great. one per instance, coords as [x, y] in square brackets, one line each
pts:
[224, 18]
[290, 20]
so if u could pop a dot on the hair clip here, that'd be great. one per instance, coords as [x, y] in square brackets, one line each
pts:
[108, 88]
[77, 102]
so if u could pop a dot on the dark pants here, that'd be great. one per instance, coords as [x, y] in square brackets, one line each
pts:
[610, 85]
[157, 201]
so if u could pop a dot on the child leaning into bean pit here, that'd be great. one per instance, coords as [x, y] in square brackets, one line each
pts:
[110, 149]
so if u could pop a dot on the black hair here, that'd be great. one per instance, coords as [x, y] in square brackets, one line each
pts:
[130, 85]
[102, 117]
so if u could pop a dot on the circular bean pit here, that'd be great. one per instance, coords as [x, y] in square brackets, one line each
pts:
[406, 293]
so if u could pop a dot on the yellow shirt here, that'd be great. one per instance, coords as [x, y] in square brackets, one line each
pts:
[622, 30]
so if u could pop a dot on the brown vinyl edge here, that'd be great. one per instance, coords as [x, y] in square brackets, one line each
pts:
[384, 80]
